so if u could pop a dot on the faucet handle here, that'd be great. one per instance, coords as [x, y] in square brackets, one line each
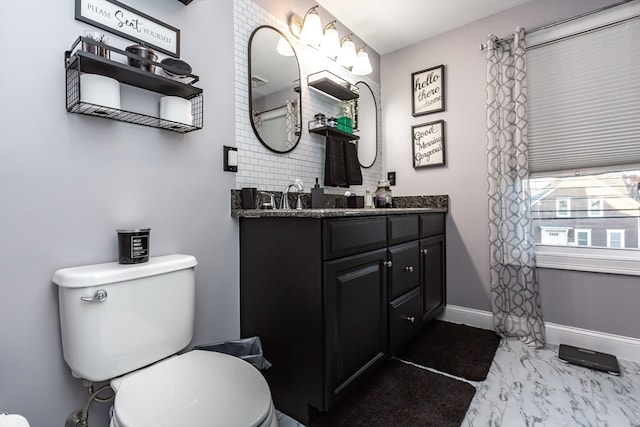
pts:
[272, 200]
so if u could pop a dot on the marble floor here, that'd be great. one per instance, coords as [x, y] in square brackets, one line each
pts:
[532, 387]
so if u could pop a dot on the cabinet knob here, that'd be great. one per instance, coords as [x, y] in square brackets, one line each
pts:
[409, 269]
[410, 318]
[388, 264]
[425, 251]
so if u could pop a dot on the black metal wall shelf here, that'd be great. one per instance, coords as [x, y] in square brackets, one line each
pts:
[78, 61]
[332, 85]
[130, 117]
[332, 131]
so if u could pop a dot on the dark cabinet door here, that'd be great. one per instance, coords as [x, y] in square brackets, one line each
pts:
[405, 268]
[356, 320]
[432, 254]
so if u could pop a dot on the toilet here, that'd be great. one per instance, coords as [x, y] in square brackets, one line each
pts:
[126, 324]
[13, 420]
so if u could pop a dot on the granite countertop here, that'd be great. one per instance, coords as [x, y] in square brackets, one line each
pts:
[328, 213]
[401, 205]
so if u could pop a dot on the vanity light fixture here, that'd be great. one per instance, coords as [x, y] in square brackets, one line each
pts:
[347, 57]
[362, 66]
[311, 31]
[330, 41]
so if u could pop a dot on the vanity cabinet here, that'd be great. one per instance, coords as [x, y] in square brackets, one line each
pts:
[330, 298]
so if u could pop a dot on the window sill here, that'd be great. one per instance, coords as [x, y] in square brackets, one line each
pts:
[598, 260]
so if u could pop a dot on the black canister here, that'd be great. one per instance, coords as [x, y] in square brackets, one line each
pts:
[133, 245]
[249, 197]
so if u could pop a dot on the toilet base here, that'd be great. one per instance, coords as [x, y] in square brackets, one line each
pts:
[270, 421]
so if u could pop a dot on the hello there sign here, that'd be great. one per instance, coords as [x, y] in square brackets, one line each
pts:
[427, 91]
[120, 19]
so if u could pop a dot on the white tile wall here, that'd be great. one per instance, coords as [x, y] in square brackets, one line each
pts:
[264, 169]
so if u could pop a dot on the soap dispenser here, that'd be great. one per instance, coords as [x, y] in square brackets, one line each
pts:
[317, 196]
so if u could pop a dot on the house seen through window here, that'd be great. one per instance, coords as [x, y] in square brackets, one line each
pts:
[599, 210]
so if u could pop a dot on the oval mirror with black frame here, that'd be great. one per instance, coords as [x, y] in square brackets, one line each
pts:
[367, 121]
[274, 90]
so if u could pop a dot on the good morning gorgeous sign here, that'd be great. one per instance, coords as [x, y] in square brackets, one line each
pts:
[428, 144]
[120, 19]
[427, 91]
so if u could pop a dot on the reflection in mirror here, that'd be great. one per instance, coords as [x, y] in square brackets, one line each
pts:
[367, 125]
[274, 89]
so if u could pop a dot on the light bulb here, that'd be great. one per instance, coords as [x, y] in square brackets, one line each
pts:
[311, 32]
[362, 66]
[347, 57]
[284, 48]
[331, 41]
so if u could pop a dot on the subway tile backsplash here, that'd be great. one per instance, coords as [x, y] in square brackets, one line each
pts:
[261, 168]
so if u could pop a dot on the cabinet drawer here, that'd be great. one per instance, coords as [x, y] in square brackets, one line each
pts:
[404, 272]
[342, 237]
[402, 228]
[405, 314]
[431, 224]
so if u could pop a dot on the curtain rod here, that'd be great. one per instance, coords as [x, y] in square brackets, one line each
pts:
[272, 109]
[483, 46]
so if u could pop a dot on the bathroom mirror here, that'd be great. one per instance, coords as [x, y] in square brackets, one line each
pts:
[274, 90]
[367, 121]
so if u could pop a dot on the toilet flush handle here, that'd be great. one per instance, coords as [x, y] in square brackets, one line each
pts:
[99, 296]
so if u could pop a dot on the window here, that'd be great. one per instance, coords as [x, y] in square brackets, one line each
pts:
[584, 157]
[563, 207]
[605, 215]
[595, 207]
[615, 238]
[583, 237]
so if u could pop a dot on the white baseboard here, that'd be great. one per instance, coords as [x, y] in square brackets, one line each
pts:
[622, 347]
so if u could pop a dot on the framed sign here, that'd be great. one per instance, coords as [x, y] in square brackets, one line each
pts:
[427, 88]
[428, 144]
[120, 19]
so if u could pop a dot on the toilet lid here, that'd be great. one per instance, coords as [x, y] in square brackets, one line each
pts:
[193, 389]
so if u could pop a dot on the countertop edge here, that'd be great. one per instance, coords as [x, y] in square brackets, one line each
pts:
[329, 213]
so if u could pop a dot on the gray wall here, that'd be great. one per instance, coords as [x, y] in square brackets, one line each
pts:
[599, 302]
[67, 182]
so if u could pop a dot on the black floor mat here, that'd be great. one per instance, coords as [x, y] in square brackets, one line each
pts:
[402, 395]
[459, 350]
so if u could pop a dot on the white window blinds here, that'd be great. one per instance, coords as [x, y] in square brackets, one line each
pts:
[583, 82]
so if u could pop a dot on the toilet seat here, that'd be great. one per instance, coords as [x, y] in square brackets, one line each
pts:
[194, 389]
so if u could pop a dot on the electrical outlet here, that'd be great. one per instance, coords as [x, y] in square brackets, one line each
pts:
[391, 177]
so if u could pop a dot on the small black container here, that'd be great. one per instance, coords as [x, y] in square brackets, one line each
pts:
[249, 197]
[142, 52]
[133, 245]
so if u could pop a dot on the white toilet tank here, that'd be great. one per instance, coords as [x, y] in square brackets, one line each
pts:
[116, 318]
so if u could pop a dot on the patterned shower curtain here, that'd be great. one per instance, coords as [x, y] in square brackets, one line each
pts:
[257, 121]
[513, 278]
[293, 121]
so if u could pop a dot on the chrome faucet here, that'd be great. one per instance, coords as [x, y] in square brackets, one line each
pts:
[299, 186]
